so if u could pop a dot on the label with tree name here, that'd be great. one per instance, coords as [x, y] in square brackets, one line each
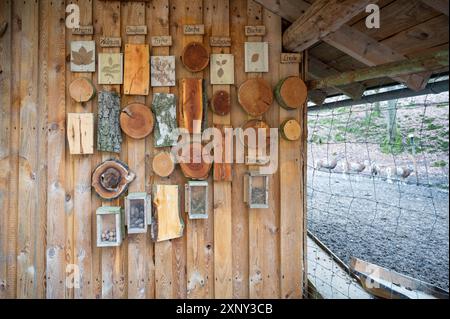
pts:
[256, 30]
[287, 58]
[83, 30]
[162, 41]
[220, 41]
[109, 42]
[136, 29]
[191, 29]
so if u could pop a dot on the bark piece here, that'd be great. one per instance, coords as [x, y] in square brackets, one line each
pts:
[191, 110]
[165, 110]
[291, 93]
[255, 96]
[163, 164]
[291, 130]
[256, 126]
[111, 179]
[109, 137]
[81, 90]
[137, 120]
[220, 103]
[195, 57]
[193, 165]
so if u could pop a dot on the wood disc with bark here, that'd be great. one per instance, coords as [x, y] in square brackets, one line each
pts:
[111, 179]
[194, 165]
[220, 103]
[255, 96]
[256, 125]
[291, 130]
[291, 93]
[163, 164]
[137, 120]
[195, 57]
[81, 90]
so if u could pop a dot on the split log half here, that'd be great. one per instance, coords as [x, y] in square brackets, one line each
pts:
[195, 57]
[81, 90]
[257, 126]
[255, 96]
[163, 164]
[291, 93]
[291, 130]
[137, 121]
[111, 179]
[220, 103]
[193, 165]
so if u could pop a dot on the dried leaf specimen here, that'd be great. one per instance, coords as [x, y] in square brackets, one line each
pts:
[163, 71]
[256, 57]
[222, 69]
[82, 56]
[110, 68]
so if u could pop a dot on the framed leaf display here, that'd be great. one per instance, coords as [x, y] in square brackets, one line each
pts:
[110, 68]
[222, 69]
[256, 57]
[163, 71]
[82, 56]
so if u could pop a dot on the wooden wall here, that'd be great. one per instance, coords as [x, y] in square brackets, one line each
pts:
[47, 207]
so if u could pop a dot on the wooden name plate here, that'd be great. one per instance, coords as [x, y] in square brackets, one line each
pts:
[220, 41]
[290, 58]
[136, 30]
[257, 30]
[83, 30]
[194, 29]
[162, 41]
[110, 42]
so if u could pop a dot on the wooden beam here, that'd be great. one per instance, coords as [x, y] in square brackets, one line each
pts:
[428, 62]
[438, 5]
[322, 18]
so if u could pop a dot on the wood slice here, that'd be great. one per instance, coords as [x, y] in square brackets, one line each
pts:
[195, 57]
[291, 130]
[81, 90]
[194, 166]
[111, 179]
[137, 120]
[220, 103]
[255, 96]
[291, 93]
[163, 164]
[256, 125]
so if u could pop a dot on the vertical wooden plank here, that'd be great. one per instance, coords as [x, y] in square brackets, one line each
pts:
[270, 217]
[240, 218]
[137, 244]
[28, 12]
[219, 20]
[6, 260]
[56, 197]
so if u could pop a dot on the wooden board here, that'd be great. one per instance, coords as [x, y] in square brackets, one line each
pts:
[137, 69]
[191, 107]
[80, 133]
[168, 223]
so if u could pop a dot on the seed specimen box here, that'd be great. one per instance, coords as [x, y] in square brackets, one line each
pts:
[109, 226]
[138, 212]
[256, 190]
[196, 199]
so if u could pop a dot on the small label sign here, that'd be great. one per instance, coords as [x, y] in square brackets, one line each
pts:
[136, 30]
[110, 42]
[220, 41]
[83, 30]
[290, 58]
[257, 30]
[198, 29]
[162, 41]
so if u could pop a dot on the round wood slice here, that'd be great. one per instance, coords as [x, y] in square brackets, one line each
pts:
[291, 130]
[81, 90]
[195, 167]
[256, 125]
[137, 120]
[195, 57]
[111, 179]
[255, 96]
[163, 164]
[291, 93]
[220, 103]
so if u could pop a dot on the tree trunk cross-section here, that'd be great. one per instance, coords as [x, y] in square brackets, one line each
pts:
[291, 93]
[81, 90]
[255, 96]
[137, 121]
[195, 57]
[109, 138]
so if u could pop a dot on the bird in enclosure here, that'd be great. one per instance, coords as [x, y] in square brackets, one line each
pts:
[392, 171]
[352, 168]
[326, 164]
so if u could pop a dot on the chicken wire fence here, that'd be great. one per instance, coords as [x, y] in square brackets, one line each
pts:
[378, 190]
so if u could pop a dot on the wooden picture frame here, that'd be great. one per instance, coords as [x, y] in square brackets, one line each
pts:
[256, 57]
[138, 210]
[196, 199]
[82, 56]
[109, 226]
[256, 190]
[110, 68]
[222, 69]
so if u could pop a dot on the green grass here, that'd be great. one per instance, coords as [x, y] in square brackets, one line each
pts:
[440, 164]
